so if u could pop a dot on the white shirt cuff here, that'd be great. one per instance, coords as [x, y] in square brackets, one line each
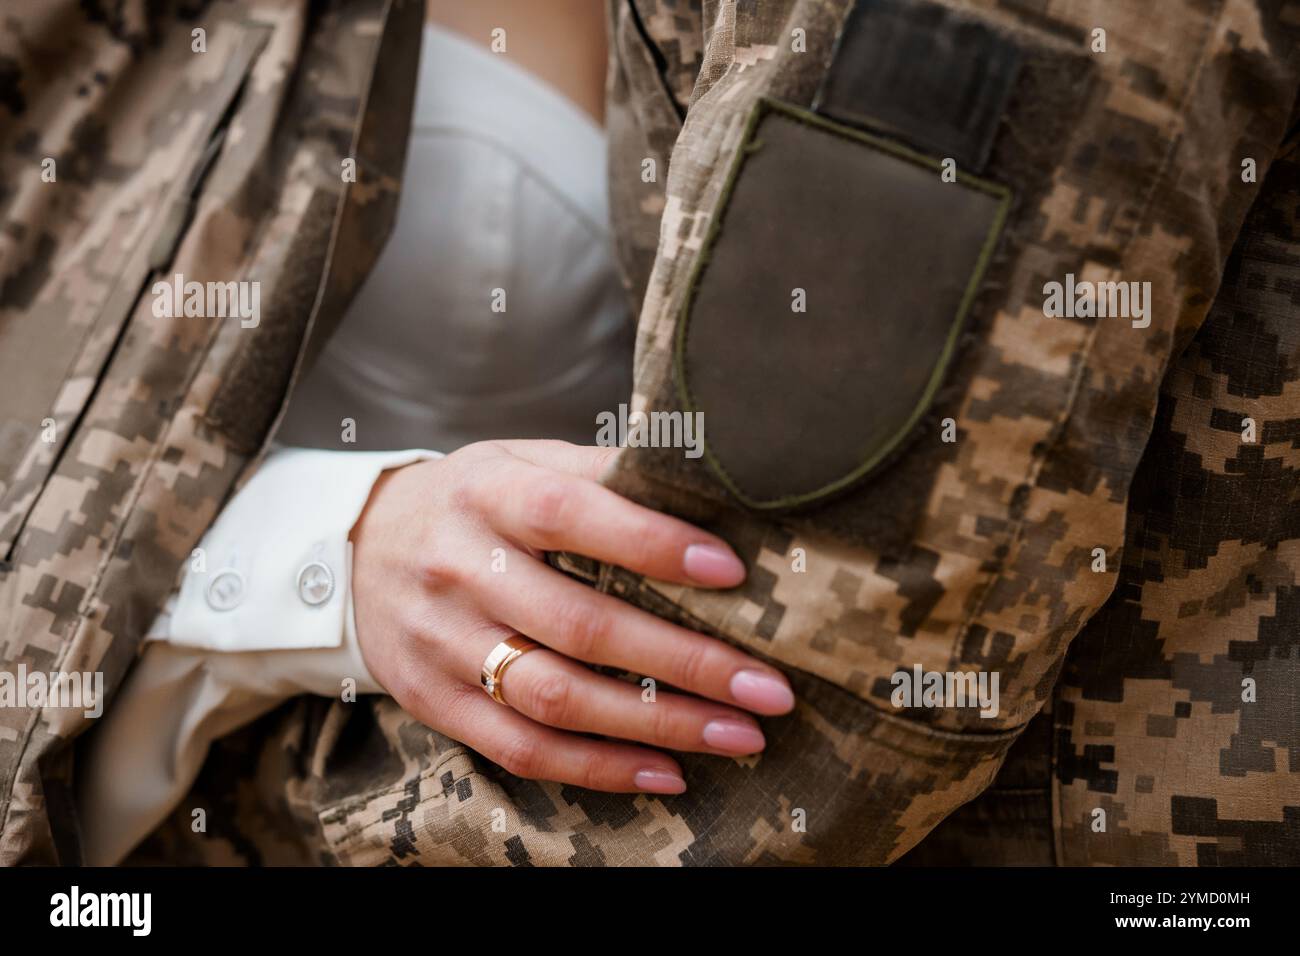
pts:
[274, 572]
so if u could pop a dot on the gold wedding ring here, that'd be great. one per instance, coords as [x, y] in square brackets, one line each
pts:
[498, 659]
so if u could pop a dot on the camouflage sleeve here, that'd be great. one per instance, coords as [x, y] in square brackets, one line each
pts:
[1172, 736]
[908, 540]
[1177, 719]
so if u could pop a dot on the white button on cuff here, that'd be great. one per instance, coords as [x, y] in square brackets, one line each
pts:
[225, 590]
[315, 583]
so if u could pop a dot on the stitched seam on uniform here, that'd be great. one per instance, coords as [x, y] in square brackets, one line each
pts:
[879, 453]
[1016, 538]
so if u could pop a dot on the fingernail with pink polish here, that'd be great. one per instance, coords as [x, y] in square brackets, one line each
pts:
[761, 691]
[659, 781]
[733, 736]
[713, 566]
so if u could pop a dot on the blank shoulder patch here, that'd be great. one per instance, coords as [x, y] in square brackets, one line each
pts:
[827, 304]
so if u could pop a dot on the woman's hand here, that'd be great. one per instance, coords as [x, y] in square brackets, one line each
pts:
[433, 595]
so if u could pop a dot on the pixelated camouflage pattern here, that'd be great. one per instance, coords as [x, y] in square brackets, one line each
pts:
[1143, 184]
[1149, 724]
[1146, 185]
[212, 164]
[1056, 412]
[1053, 419]
[1178, 711]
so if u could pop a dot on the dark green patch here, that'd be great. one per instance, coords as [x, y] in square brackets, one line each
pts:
[798, 406]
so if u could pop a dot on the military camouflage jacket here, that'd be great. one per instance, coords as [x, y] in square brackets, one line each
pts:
[1065, 457]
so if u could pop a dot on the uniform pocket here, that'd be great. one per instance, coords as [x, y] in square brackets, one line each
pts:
[826, 305]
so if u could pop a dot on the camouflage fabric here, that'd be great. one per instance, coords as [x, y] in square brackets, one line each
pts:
[1178, 711]
[995, 570]
[1156, 750]
[192, 138]
[975, 554]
